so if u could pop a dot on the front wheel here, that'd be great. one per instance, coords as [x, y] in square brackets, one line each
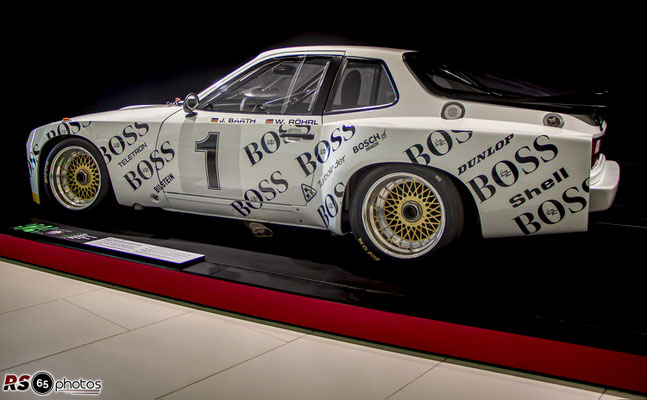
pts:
[405, 212]
[75, 176]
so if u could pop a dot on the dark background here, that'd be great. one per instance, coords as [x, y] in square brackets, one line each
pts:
[67, 62]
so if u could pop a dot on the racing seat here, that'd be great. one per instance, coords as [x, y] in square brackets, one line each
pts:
[350, 89]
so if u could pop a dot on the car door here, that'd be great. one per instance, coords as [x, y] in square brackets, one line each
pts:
[241, 148]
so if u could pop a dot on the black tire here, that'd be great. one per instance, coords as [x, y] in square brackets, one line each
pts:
[405, 212]
[75, 177]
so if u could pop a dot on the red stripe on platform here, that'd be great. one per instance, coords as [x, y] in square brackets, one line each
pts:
[571, 361]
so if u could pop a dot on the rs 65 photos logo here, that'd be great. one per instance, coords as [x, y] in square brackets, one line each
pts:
[43, 383]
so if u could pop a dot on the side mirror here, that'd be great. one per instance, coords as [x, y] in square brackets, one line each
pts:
[190, 104]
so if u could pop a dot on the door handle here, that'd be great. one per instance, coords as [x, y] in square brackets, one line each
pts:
[295, 134]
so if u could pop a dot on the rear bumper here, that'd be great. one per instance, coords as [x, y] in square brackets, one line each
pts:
[605, 177]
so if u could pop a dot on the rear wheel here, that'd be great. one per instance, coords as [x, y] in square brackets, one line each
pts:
[405, 212]
[75, 176]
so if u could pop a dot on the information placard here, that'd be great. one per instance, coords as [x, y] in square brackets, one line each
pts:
[145, 250]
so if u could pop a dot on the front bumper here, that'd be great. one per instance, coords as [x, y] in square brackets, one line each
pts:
[605, 177]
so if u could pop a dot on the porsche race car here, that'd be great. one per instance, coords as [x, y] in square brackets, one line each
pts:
[387, 144]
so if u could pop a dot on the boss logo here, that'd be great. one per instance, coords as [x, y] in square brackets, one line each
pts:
[118, 144]
[439, 143]
[330, 207]
[506, 173]
[323, 150]
[269, 144]
[267, 190]
[553, 211]
[67, 128]
[146, 169]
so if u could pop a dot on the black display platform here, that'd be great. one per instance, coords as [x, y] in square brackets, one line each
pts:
[575, 288]
[569, 306]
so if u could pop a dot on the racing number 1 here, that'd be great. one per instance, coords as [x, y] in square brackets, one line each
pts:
[210, 147]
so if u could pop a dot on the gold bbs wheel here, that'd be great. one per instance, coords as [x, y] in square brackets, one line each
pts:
[403, 212]
[74, 178]
[404, 215]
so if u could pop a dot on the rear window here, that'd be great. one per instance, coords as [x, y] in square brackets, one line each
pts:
[448, 80]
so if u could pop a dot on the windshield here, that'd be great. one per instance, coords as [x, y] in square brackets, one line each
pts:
[454, 79]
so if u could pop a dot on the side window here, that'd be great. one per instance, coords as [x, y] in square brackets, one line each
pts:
[302, 98]
[363, 84]
[279, 86]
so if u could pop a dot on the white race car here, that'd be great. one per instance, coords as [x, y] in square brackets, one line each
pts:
[382, 143]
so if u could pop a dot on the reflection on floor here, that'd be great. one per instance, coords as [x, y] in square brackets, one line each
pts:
[88, 336]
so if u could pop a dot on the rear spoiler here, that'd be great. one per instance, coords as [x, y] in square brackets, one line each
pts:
[593, 105]
[590, 107]
[575, 103]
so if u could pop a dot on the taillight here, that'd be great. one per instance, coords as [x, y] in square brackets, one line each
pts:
[595, 150]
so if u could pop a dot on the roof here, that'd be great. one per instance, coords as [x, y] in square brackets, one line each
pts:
[360, 51]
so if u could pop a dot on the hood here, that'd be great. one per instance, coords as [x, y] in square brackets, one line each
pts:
[149, 113]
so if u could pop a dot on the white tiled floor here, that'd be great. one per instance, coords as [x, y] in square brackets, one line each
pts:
[145, 348]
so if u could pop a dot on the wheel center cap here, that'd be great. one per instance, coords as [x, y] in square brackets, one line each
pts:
[411, 211]
[82, 177]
